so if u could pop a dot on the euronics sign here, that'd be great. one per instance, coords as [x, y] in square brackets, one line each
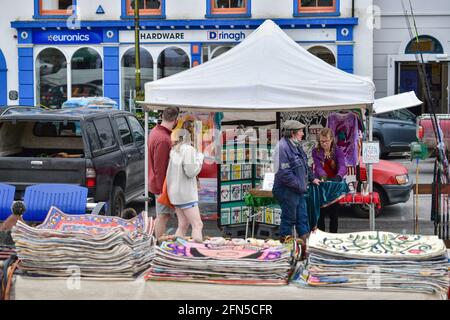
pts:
[67, 37]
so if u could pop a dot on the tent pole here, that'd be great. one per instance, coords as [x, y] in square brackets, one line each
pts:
[370, 171]
[146, 161]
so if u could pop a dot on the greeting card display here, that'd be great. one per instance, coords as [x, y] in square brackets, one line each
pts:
[225, 216]
[236, 172]
[225, 193]
[245, 189]
[236, 214]
[236, 193]
[225, 173]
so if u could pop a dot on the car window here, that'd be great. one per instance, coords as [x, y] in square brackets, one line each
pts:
[93, 139]
[138, 131]
[403, 115]
[57, 129]
[105, 132]
[124, 130]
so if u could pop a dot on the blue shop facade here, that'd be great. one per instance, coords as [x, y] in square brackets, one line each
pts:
[97, 58]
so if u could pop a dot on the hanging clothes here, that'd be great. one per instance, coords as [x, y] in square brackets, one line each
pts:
[345, 128]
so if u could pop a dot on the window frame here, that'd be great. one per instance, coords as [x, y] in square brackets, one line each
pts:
[55, 14]
[300, 11]
[439, 49]
[212, 12]
[128, 13]
[136, 121]
[103, 149]
[130, 133]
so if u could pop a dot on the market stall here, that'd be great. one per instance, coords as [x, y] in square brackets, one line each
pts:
[264, 75]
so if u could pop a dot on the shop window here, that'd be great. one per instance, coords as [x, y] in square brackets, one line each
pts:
[51, 78]
[146, 7]
[424, 44]
[316, 6]
[228, 7]
[171, 61]
[213, 51]
[128, 72]
[323, 53]
[87, 73]
[56, 7]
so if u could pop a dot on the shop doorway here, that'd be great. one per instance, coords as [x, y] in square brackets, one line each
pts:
[408, 79]
[3, 79]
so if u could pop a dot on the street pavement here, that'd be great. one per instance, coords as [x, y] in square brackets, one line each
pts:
[396, 218]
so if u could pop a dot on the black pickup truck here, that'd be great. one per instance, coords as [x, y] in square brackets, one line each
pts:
[102, 149]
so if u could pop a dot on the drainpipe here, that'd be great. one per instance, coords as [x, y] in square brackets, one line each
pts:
[353, 8]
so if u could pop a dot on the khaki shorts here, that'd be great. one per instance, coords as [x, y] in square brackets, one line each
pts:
[162, 209]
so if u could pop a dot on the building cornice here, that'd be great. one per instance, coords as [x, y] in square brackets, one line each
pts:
[192, 24]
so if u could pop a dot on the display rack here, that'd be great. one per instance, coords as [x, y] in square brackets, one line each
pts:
[242, 168]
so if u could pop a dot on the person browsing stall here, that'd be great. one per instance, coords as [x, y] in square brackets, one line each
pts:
[159, 146]
[182, 185]
[329, 165]
[292, 175]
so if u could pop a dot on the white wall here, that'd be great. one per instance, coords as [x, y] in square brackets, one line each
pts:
[8, 44]
[88, 8]
[390, 40]
[363, 37]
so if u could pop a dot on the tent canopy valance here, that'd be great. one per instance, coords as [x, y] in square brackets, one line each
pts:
[268, 71]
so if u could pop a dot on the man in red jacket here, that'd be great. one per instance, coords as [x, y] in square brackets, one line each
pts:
[159, 145]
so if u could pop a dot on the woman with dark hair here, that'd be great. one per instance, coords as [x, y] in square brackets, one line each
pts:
[182, 187]
[329, 165]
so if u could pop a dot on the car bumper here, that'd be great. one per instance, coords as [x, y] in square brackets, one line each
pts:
[398, 193]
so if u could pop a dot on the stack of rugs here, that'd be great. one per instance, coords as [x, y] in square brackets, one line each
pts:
[376, 260]
[94, 246]
[223, 261]
[6, 246]
[6, 251]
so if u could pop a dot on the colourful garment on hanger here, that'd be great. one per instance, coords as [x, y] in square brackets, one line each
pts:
[345, 128]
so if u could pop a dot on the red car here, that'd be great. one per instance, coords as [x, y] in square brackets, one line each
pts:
[391, 181]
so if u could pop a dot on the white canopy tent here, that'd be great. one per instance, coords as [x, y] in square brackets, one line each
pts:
[396, 102]
[266, 72]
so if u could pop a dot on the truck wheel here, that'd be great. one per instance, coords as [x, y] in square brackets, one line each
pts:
[116, 202]
[362, 210]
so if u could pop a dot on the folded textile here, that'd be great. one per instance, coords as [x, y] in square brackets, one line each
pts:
[96, 246]
[217, 260]
[376, 260]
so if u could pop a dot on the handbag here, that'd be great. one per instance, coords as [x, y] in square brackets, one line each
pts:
[164, 197]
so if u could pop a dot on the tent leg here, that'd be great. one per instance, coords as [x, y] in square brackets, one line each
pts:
[146, 161]
[370, 172]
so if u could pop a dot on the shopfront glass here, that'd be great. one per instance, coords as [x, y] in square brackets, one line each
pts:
[87, 73]
[171, 61]
[129, 74]
[214, 50]
[51, 78]
[323, 53]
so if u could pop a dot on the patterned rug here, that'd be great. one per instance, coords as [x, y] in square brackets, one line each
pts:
[376, 260]
[94, 224]
[218, 260]
[377, 244]
[97, 246]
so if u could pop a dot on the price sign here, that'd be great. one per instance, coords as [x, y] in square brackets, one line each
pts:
[371, 152]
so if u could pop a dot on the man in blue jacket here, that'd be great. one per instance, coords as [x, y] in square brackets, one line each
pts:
[292, 176]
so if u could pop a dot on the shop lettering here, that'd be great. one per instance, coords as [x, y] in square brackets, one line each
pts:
[236, 36]
[162, 36]
[68, 37]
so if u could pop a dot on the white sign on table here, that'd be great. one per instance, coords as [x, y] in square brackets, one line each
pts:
[371, 152]
[269, 179]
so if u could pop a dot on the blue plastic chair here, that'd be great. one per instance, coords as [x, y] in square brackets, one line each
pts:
[39, 198]
[6, 200]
